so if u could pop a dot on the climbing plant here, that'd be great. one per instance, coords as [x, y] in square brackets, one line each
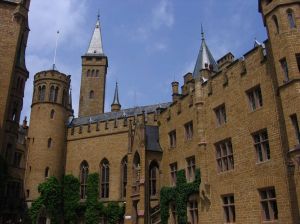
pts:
[94, 208]
[50, 199]
[114, 212]
[71, 198]
[178, 195]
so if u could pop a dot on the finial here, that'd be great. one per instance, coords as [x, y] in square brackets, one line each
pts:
[202, 32]
[98, 15]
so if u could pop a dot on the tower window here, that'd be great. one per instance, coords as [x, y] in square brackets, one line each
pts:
[52, 113]
[291, 19]
[49, 142]
[17, 159]
[298, 61]
[41, 93]
[88, 73]
[285, 69]
[97, 73]
[56, 94]
[52, 93]
[47, 172]
[92, 94]
[275, 20]
[93, 73]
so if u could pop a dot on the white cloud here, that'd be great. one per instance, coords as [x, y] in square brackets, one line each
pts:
[49, 16]
[163, 14]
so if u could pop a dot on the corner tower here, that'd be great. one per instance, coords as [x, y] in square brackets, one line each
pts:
[93, 77]
[50, 110]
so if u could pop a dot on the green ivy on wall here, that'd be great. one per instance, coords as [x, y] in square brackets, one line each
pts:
[178, 195]
[62, 202]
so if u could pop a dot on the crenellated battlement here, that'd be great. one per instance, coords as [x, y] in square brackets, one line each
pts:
[53, 75]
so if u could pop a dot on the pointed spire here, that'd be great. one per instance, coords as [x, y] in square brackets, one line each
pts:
[116, 106]
[95, 47]
[205, 59]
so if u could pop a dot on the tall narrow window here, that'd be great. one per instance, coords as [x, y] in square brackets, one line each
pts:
[52, 94]
[56, 94]
[220, 112]
[91, 94]
[43, 93]
[191, 166]
[193, 212]
[52, 113]
[255, 98]
[136, 169]
[295, 124]
[276, 24]
[298, 61]
[123, 177]
[47, 172]
[268, 204]
[88, 73]
[153, 178]
[285, 69]
[188, 127]
[261, 143]
[173, 168]
[97, 73]
[84, 172]
[229, 209]
[291, 19]
[93, 72]
[224, 154]
[104, 191]
[172, 138]
[174, 215]
[49, 142]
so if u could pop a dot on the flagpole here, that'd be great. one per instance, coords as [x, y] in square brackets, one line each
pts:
[55, 51]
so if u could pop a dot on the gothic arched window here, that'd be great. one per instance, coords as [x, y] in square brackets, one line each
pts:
[84, 172]
[291, 18]
[93, 72]
[275, 20]
[56, 94]
[97, 73]
[136, 169]
[104, 178]
[52, 94]
[153, 178]
[123, 177]
[88, 73]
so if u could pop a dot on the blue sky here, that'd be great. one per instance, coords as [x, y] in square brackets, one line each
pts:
[148, 43]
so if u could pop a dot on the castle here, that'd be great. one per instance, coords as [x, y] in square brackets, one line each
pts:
[235, 120]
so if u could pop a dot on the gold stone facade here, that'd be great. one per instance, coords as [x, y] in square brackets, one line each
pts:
[238, 123]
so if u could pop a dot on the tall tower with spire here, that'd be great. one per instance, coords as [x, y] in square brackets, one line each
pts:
[93, 77]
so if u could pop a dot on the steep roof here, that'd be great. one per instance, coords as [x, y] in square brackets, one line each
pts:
[95, 47]
[204, 58]
[116, 100]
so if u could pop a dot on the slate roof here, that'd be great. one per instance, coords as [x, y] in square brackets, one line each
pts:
[152, 138]
[130, 112]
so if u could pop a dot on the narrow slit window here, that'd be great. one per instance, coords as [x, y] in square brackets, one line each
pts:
[291, 19]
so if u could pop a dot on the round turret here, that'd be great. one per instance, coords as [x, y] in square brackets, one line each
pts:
[50, 110]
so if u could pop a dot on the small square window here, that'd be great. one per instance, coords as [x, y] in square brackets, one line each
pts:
[261, 144]
[255, 98]
[268, 204]
[220, 112]
[188, 127]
